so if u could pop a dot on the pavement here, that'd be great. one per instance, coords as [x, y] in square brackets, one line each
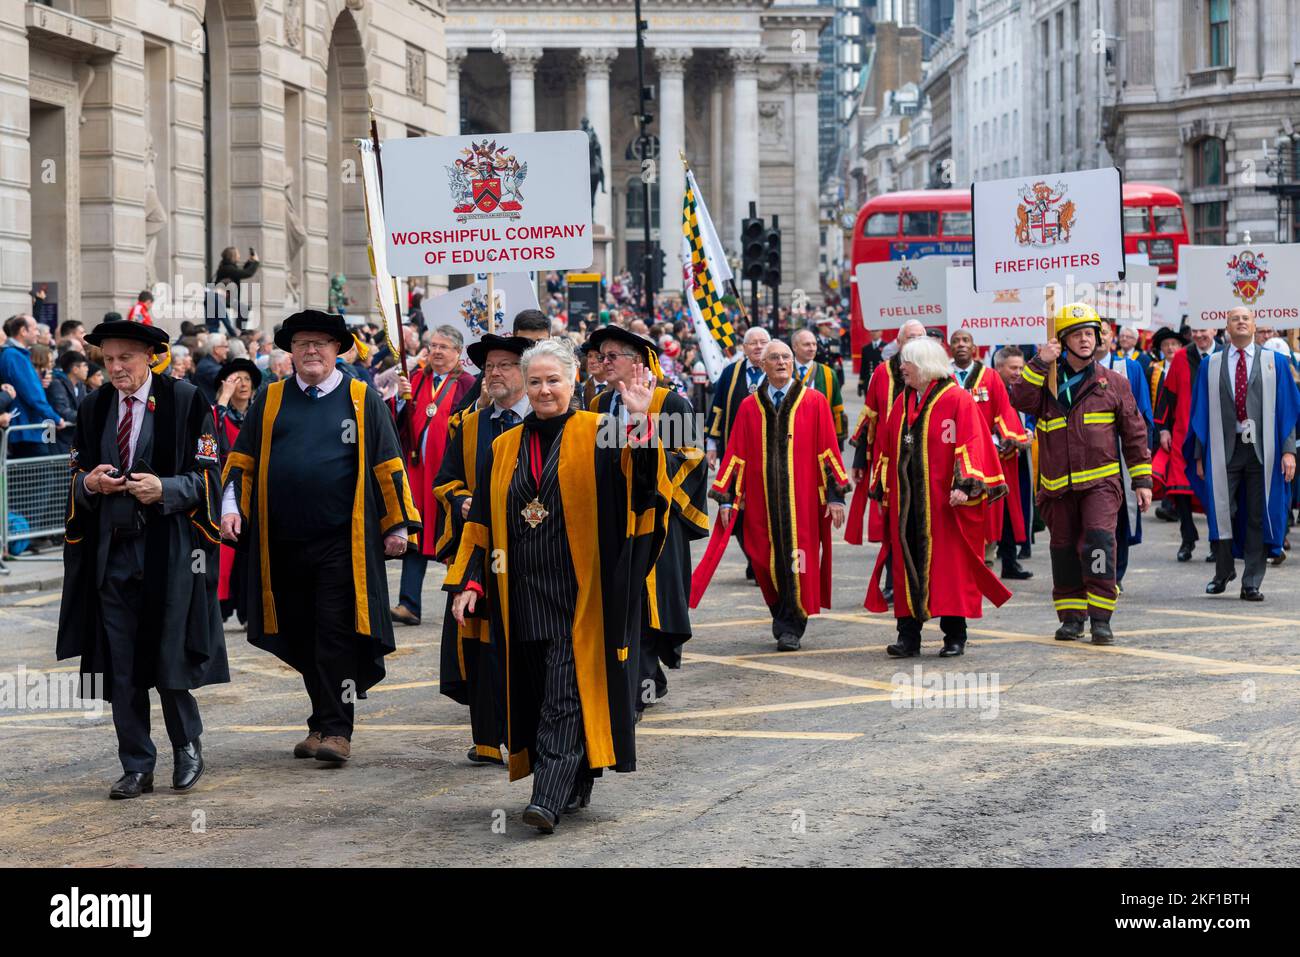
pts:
[1178, 745]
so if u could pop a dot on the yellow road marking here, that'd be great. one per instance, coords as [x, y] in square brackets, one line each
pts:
[360, 726]
[793, 672]
[1031, 739]
[37, 601]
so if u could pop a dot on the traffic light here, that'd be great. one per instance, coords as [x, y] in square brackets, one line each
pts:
[659, 267]
[772, 255]
[753, 264]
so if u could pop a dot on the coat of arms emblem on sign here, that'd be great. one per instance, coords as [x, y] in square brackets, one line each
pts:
[1248, 270]
[1045, 215]
[486, 182]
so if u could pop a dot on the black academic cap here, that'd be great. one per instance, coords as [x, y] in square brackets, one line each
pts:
[313, 320]
[478, 351]
[240, 365]
[122, 329]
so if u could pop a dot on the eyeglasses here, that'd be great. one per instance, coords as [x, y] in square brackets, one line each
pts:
[608, 357]
[499, 367]
[310, 345]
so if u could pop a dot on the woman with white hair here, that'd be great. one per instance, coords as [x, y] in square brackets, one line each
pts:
[936, 474]
[566, 523]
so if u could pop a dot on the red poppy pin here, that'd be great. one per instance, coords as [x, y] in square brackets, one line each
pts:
[150, 404]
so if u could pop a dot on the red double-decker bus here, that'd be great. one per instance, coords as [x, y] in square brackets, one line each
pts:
[913, 224]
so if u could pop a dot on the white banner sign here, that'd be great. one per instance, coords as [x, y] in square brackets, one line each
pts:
[1129, 303]
[1058, 227]
[1264, 278]
[1167, 311]
[891, 293]
[465, 204]
[465, 309]
[998, 316]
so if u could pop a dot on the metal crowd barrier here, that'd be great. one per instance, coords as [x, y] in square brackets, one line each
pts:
[33, 497]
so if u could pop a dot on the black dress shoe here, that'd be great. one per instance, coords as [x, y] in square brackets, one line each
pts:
[476, 758]
[580, 797]
[1016, 572]
[1185, 553]
[1071, 630]
[187, 766]
[1218, 586]
[900, 650]
[952, 650]
[1023, 552]
[1210, 557]
[887, 594]
[132, 785]
[537, 816]
[1166, 514]
[787, 642]
[1101, 633]
[1251, 594]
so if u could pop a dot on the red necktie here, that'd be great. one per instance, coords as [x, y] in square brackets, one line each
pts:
[124, 435]
[1239, 388]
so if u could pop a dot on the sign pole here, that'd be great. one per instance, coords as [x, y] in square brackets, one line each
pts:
[400, 344]
[491, 304]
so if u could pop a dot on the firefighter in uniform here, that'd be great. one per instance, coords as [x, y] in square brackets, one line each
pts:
[1081, 432]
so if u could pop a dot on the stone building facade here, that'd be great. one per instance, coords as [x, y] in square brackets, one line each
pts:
[138, 138]
[1208, 92]
[737, 85]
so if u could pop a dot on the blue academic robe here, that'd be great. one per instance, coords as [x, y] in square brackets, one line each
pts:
[1277, 497]
[1130, 521]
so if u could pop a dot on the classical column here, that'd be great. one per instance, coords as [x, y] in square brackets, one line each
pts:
[744, 140]
[807, 231]
[596, 62]
[1245, 33]
[451, 93]
[1277, 33]
[523, 69]
[15, 160]
[672, 177]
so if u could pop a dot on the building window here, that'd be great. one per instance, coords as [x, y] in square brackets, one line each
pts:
[1209, 169]
[1220, 32]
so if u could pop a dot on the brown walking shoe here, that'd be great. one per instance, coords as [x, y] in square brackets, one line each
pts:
[334, 748]
[306, 748]
[404, 615]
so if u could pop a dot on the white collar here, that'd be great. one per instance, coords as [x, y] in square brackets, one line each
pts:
[1249, 350]
[520, 408]
[330, 383]
[141, 394]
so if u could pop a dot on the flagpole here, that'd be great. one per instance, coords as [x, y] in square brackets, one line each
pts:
[731, 283]
[400, 344]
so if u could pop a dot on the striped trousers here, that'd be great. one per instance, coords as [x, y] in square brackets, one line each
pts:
[561, 749]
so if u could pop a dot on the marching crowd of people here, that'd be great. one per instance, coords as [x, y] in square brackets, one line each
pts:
[562, 483]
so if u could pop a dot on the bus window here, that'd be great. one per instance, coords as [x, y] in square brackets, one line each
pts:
[881, 224]
[921, 223]
[956, 224]
[1136, 220]
[1169, 219]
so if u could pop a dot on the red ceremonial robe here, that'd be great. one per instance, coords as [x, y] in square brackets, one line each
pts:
[795, 532]
[990, 394]
[424, 439]
[885, 386]
[946, 575]
[1172, 414]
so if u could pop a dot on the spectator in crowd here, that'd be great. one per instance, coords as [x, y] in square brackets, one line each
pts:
[224, 296]
[238, 350]
[66, 390]
[182, 363]
[209, 366]
[281, 365]
[8, 396]
[72, 336]
[31, 407]
[94, 377]
[142, 311]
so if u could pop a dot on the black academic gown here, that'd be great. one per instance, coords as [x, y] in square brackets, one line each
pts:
[471, 670]
[183, 628]
[616, 503]
[381, 505]
[668, 586]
